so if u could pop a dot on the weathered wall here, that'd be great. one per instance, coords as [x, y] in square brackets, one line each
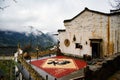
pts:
[87, 26]
[114, 46]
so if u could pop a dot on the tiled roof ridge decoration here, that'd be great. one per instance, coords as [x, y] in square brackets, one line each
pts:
[98, 12]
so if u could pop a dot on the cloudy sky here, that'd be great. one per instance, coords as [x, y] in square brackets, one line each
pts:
[44, 15]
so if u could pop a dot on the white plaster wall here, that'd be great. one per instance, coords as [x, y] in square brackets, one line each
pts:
[87, 26]
[115, 33]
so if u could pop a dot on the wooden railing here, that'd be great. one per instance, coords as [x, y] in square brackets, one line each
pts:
[42, 53]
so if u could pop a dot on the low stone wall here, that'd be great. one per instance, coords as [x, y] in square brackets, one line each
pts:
[32, 72]
[103, 70]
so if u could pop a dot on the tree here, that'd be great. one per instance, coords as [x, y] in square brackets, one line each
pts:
[115, 4]
[6, 6]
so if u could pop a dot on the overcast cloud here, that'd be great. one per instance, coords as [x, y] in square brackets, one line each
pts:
[44, 15]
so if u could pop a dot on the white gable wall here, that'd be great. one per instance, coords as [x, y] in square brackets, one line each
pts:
[89, 25]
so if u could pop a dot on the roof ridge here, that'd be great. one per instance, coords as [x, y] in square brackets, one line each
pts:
[87, 9]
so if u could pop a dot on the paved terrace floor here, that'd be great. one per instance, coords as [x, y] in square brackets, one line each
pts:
[59, 71]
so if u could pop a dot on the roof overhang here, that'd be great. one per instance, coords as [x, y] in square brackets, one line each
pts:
[93, 11]
[99, 40]
[61, 30]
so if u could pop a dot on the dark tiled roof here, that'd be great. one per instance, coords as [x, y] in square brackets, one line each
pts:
[55, 34]
[117, 10]
[61, 30]
[95, 40]
[97, 12]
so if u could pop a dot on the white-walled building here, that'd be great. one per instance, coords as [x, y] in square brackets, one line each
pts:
[91, 32]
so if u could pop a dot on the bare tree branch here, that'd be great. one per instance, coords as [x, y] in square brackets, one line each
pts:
[115, 4]
[15, 1]
[2, 8]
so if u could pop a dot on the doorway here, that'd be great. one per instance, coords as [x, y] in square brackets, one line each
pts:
[95, 50]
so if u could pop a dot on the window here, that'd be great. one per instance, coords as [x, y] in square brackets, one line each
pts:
[67, 42]
[78, 45]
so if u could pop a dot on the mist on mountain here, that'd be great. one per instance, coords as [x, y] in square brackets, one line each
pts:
[36, 38]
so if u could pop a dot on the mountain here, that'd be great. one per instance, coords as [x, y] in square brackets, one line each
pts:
[37, 38]
[52, 37]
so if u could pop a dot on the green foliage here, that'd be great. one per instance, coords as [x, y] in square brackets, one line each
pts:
[7, 66]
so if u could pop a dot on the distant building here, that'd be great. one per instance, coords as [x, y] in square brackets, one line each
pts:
[7, 50]
[91, 33]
